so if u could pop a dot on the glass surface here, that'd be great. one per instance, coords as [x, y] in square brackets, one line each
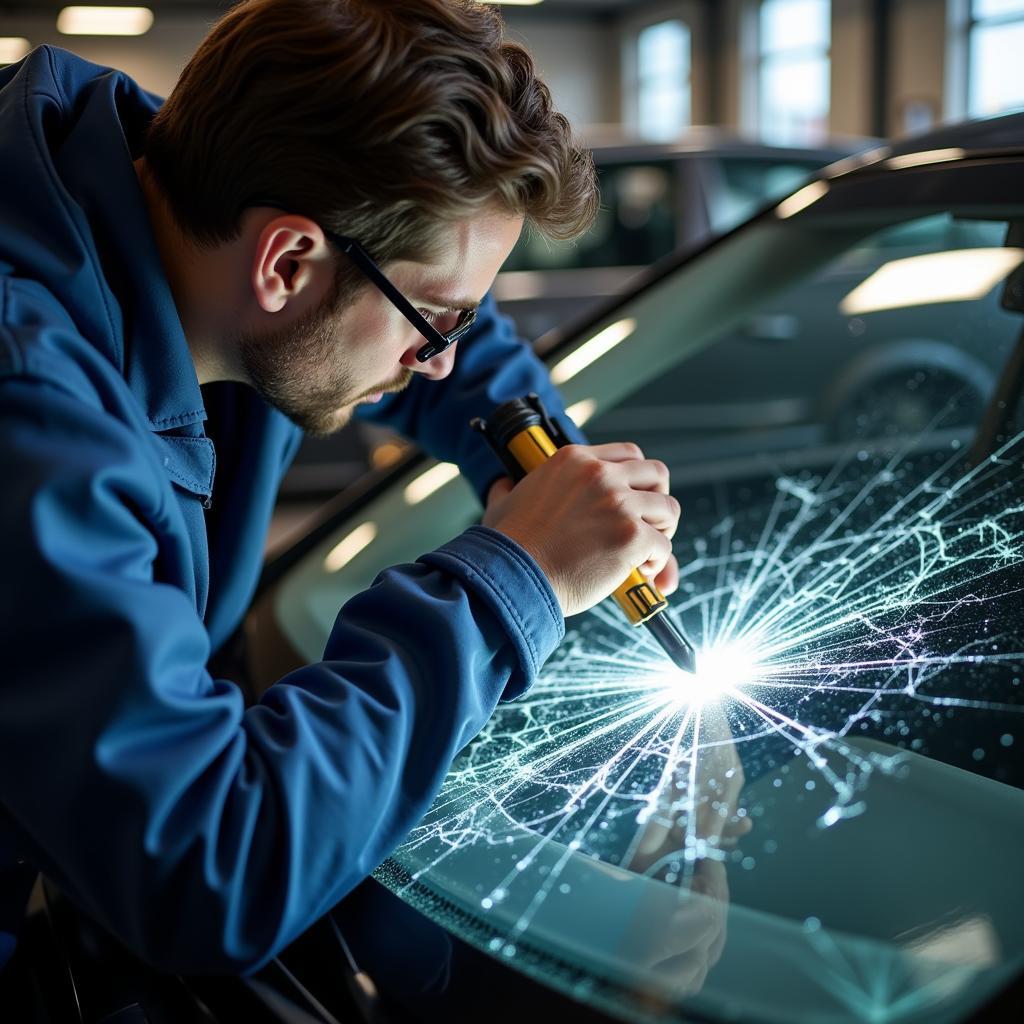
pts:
[634, 227]
[795, 25]
[825, 822]
[748, 183]
[996, 83]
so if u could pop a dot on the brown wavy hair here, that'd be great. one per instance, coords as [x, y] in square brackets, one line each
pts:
[379, 119]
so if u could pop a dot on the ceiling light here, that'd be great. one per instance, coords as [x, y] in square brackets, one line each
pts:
[104, 21]
[343, 553]
[13, 48]
[514, 3]
[960, 275]
[592, 350]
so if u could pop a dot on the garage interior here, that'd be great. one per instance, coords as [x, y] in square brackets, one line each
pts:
[853, 527]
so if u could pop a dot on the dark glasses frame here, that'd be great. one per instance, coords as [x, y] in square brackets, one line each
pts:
[437, 341]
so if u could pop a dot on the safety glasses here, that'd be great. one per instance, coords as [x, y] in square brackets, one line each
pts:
[437, 341]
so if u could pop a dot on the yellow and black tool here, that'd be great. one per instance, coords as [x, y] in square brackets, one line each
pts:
[523, 436]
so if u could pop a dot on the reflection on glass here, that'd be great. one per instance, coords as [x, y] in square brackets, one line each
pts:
[429, 481]
[345, 550]
[590, 351]
[636, 224]
[960, 275]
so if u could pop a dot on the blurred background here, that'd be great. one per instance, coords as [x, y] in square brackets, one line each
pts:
[784, 71]
[699, 113]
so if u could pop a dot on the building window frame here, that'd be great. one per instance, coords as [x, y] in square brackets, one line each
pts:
[643, 82]
[757, 59]
[964, 24]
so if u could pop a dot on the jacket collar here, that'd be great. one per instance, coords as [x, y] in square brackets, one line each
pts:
[95, 166]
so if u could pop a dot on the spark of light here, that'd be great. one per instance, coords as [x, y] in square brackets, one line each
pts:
[722, 670]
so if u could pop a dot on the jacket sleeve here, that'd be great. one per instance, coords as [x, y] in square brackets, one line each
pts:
[203, 834]
[492, 366]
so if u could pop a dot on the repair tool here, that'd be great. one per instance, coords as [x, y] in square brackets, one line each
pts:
[523, 436]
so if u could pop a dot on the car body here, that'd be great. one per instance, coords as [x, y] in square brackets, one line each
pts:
[656, 198]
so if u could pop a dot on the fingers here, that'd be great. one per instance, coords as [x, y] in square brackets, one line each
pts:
[667, 581]
[735, 829]
[641, 474]
[655, 549]
[658, 510]
[499, 489]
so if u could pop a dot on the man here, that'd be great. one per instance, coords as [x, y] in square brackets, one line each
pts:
[180, 294]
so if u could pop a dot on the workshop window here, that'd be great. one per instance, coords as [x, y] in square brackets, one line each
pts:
[663, 79]
[793, 70]
[995, 43]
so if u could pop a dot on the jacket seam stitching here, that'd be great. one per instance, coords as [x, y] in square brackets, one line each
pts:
[178, 419]
[56, 192]
[542, 584]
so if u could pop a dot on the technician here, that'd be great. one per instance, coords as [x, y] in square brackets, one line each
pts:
[297, 234]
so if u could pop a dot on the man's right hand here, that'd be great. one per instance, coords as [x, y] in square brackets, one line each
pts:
[588, 516]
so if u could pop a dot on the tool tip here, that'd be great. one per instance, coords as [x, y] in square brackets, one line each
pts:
[673, 642]
[686, 659]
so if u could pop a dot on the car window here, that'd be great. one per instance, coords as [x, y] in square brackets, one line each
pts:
[847, 352]
[635, 225]
[748, 183]
[825, 821]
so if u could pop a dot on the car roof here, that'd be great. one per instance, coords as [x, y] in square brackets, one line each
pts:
[1004, 131]
[613, 146]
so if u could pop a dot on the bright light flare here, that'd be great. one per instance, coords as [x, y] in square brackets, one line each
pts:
[721, 671]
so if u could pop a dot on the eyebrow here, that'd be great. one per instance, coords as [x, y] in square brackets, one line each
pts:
[446, 303]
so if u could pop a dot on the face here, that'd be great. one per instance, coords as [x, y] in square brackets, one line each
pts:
[339, 354]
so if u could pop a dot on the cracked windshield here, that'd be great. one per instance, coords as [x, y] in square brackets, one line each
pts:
[818, 824]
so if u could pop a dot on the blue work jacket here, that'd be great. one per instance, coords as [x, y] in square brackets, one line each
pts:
[204, 834]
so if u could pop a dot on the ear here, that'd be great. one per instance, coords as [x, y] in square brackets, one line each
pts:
[289, 250]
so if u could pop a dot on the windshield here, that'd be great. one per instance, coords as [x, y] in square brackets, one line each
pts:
[823, 823]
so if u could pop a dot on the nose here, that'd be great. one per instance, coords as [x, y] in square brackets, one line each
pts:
[436, 368]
